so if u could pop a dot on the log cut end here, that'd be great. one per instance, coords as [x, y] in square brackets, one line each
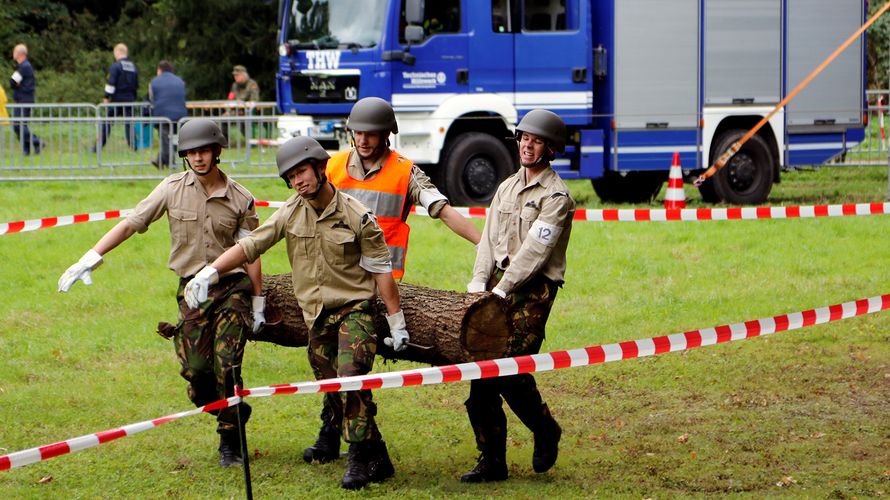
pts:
[487, 332]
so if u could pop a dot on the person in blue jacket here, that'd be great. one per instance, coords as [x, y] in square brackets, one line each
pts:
[23, 85]
[167, 95]
[121, 87]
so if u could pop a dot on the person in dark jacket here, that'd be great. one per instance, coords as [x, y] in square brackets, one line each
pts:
[121, 87]
[23, 85]
[167, 95]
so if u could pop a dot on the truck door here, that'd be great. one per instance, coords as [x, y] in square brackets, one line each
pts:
[491, 46]
[815, 29]
[826, 114]
[422, 84]
[552, 59]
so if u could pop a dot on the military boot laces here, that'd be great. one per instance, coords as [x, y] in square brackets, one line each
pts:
[356, 476]
[326, 447]
[488, 468]
[230, 449]
[379, 465]
[546, 448]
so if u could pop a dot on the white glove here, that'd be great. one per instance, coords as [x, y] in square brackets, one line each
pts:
[196, 288]
[475, 286]
[80, 271]
[500, 293]
[259, 306]
[398, 339]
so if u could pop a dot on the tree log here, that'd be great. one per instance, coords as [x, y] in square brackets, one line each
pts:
[450, 327]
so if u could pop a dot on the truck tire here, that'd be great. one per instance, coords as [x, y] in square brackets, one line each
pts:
[631, 187]
[474, 165]
[747, 177]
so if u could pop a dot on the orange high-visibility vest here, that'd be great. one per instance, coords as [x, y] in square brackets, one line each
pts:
[385, 194]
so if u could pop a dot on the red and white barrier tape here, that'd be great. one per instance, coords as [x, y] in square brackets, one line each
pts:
[64, 220]
[582, 214]
[705, 214]
[34, 455]
[490, 368]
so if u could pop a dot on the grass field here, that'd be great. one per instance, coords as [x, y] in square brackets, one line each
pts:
[797, 414]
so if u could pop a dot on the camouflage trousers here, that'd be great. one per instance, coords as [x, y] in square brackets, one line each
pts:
[209, 343]
[529, 309]
[343, 343]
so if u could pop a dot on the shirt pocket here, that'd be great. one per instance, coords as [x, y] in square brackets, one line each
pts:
[301, 246]
[225, 229]
[505, 219]
[340, 247]
[527, 216]
[183, 224]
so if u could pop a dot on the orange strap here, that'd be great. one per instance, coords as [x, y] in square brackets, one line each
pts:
[736, 146]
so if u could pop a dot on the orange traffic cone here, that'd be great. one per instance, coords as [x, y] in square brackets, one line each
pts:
[675, 197]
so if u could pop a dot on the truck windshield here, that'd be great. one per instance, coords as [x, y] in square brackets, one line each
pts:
[331, 24]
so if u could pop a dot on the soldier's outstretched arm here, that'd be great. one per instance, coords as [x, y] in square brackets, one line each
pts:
[83, 268]
[196, 289]
[461, 226]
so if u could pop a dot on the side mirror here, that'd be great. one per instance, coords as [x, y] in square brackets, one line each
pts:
[413, 34]
[414, 11]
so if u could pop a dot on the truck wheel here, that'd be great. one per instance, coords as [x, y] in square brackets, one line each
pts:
[632, 187]
[475, 164]
[748, 176]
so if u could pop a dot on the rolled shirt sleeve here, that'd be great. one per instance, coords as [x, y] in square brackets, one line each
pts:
[375, 253]
[423, 192]
[149, 209]
[265, 236]
[485, 262]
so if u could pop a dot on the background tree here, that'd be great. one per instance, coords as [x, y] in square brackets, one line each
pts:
[70, 43]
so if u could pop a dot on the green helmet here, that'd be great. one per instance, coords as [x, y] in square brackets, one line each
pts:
[372, 114]
[200, 132]
[546, 124]
[298, 150]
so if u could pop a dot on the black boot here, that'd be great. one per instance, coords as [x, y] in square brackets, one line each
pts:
[379, 465]
[230, 449]
[356, 476]
[491, 467]
[230, 440]
[546, 447]
[326, 447]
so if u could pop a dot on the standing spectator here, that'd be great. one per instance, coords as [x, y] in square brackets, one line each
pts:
[121, 87]
[167, 95]
[244, 88]
[522, 257]
[23, 85]
[4, 114]
[245, 92]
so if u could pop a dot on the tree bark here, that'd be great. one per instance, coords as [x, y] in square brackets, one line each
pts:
[455, 327]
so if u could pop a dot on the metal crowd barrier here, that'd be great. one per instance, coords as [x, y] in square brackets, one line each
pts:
[873, 148]
[123, 140]
[65, 141]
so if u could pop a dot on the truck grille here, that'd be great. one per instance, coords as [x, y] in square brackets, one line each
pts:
[324, 88]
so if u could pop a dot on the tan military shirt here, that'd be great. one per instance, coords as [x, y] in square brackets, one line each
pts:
[526, 231]
[325, 251]
[421, 190]
[202, 227]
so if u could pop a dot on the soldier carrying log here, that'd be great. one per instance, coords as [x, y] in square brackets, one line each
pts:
[522, 257]
[339, 259]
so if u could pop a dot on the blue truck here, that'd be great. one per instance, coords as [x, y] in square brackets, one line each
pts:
[634, 80]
